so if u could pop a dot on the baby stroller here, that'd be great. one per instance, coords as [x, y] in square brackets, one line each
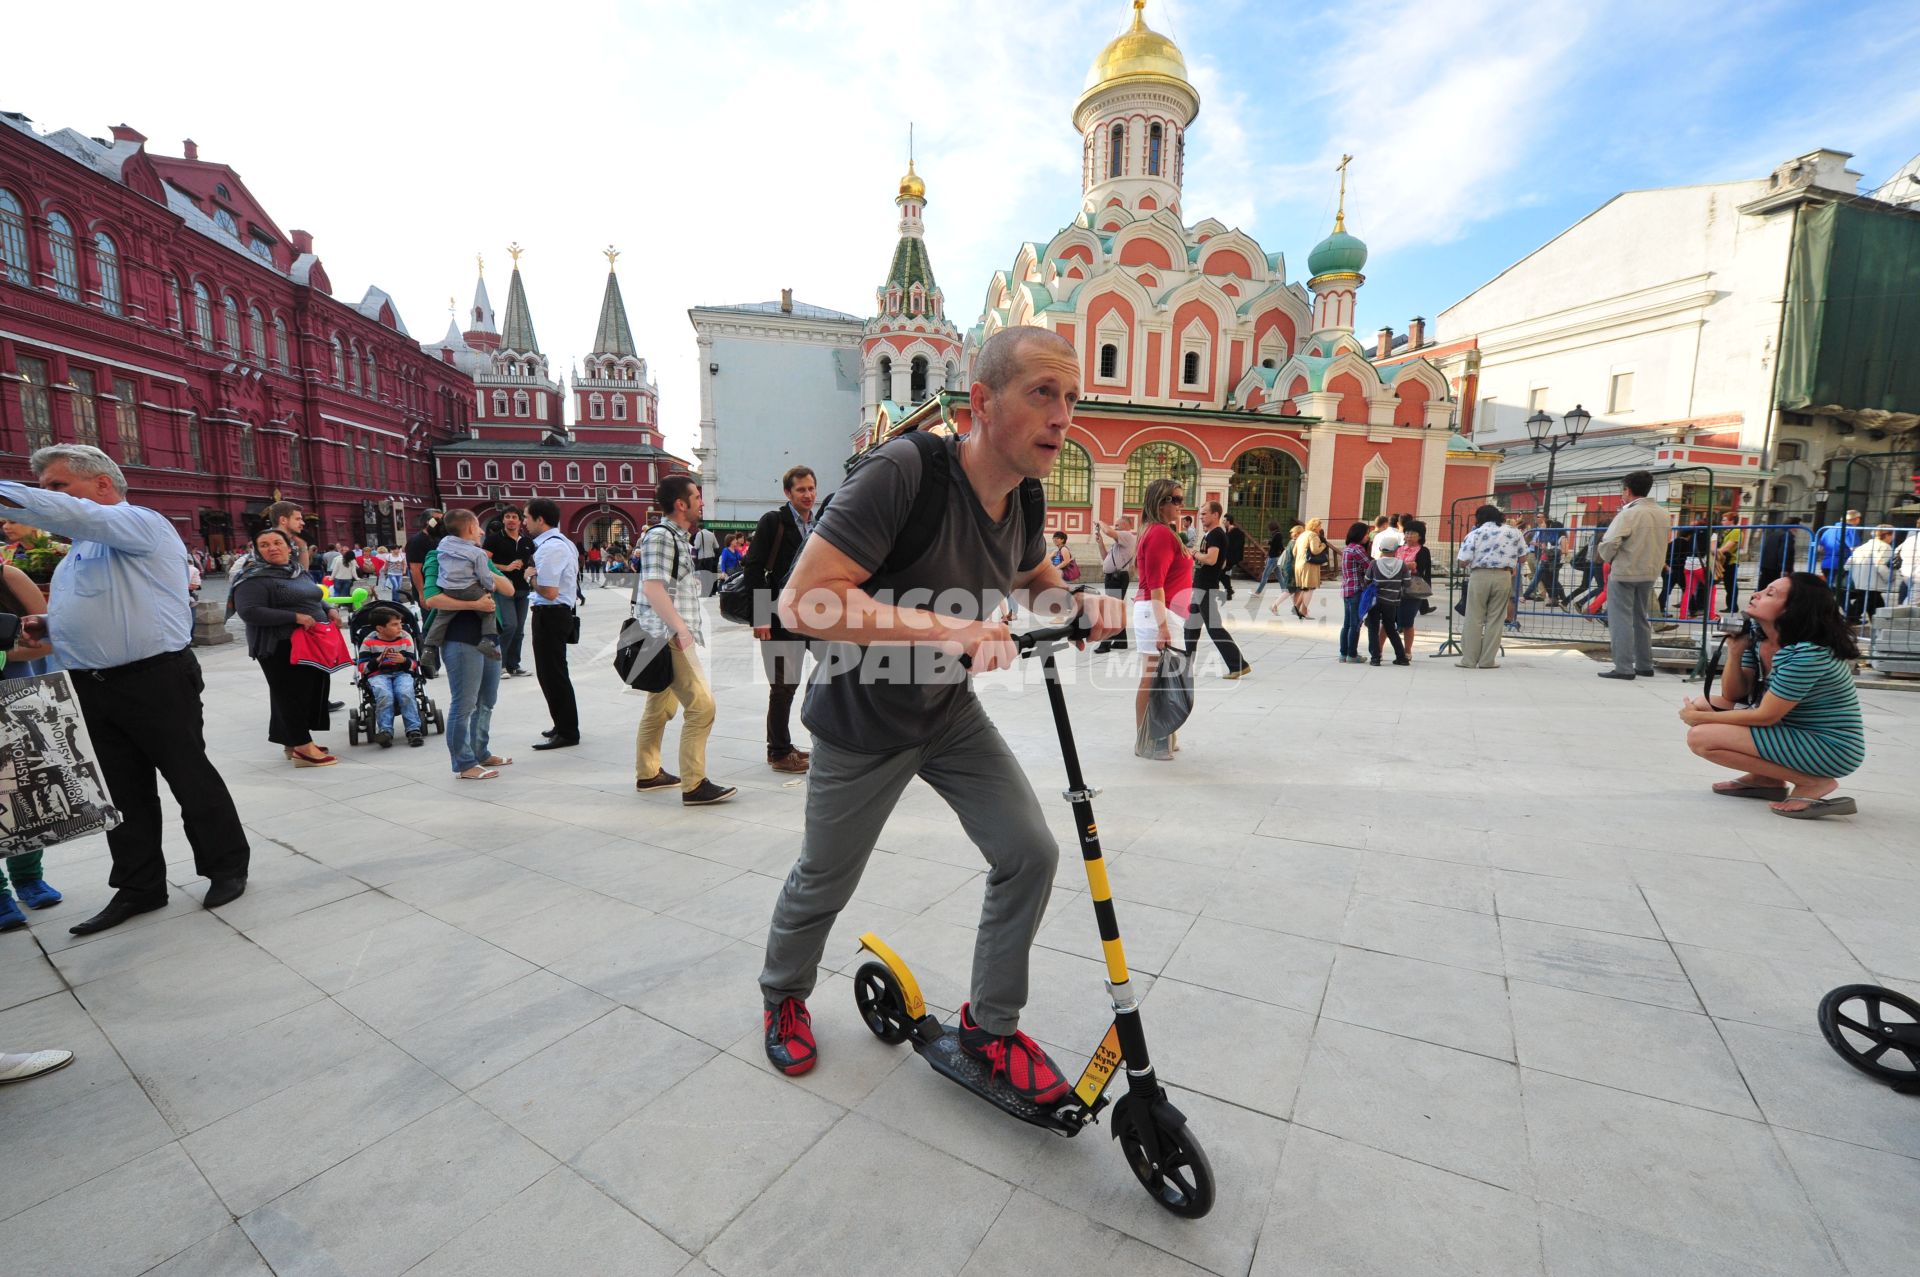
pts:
[360, 721]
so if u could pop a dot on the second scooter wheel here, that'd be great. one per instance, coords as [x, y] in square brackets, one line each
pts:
[1182, 1181]
[1855, 1021]
[882, 1006]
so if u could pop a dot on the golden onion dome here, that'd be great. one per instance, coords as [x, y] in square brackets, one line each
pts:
[1139, 53]
[911, 187]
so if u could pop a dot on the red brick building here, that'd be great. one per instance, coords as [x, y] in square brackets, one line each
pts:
[150, 305]
[603, 470]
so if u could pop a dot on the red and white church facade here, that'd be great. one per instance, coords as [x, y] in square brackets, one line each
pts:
[1201, 359]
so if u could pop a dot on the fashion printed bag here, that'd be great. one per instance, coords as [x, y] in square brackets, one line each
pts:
[51, 789]
[322, 647]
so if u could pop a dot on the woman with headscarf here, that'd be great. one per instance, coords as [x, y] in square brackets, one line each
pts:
[274, 598]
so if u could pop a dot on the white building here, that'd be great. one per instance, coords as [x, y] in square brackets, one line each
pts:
[780, 386]
[1663, 309]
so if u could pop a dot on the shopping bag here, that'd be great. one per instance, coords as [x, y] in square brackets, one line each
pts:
[51, 789]
[322, 647]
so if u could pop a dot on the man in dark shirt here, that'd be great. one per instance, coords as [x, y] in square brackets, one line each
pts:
[1236, 551]
[1776, 554]
[1209, 565]
[418, 545]
[512, 551]
[777, 539]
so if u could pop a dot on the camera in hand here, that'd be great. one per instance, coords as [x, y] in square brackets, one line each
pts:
[1739, 625]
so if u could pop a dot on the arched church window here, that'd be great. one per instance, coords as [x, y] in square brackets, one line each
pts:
[1071, 482]
[596, 406]
[626, 474]
[1109, 361]
[1117, 151]
[917, 390]
[13, 238]
[573, 473]
[1153, 151]
[599, 473]
[1190, 368]
[619, 407]
[106, 259]
[499, 403]
[521, 403]
[546, 473]
[492, 470]
[203, 316]
[230, 324]
[66, 260]
[464, 470]
[281, 354]
[519, 471]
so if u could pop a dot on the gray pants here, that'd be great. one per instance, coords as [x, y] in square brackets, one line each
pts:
[1487, 591]
[849, 797]
[1627, 625]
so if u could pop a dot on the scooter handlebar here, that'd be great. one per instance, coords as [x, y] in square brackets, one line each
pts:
[1072, 631]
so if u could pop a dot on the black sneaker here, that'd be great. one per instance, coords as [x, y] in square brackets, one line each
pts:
[707, 793]
[662, 779]
[415, 739]
[1016, 1057]
[385, 739]
[790, 1045]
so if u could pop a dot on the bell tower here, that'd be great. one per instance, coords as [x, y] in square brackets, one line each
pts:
[1133, 119]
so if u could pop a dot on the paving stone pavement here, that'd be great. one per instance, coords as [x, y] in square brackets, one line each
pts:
[1452, 972]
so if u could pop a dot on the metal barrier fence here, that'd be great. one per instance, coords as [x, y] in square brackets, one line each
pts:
[1876, 579]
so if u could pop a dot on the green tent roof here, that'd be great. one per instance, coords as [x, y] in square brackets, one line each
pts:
[517, 332]
[613, 336]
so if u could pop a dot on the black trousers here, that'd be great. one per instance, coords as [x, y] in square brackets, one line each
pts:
[296, 698]
[552, 625]
[1116, 583]
[145, 722]
[783, 660]
[1204, 612]
[1384, 616]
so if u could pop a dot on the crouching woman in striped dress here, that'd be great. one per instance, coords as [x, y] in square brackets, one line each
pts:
[1786, 717]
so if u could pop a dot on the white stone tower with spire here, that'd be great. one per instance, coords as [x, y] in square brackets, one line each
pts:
[481, 334]
[1133, 118]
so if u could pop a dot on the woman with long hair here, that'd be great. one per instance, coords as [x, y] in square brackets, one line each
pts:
[1311, 555]
[1419, 561]
[1355, 559]
[1165, 568]
[274, 597]
[1786, 717]
[1280, 561]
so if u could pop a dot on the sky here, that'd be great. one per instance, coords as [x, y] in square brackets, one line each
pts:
[732, 148]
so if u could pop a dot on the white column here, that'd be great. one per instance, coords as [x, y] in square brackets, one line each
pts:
[902, 381]
[1433, 477]
[1318, 499]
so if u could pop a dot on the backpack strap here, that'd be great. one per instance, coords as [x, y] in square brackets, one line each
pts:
[929, 507]
[1033, 517]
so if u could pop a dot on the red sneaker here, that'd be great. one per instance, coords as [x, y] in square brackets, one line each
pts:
[1016, 1057]
[790, 1037]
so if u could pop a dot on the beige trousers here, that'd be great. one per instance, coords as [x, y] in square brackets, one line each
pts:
[689, 689]
[1487, 592]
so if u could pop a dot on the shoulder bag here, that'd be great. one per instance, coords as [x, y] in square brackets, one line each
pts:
[641, 659]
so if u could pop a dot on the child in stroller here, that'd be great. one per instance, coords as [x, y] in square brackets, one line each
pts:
[389, 674]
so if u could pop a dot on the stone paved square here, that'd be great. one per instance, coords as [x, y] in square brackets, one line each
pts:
[1452, 972]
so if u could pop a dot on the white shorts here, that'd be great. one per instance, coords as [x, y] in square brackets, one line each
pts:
[1146, 631]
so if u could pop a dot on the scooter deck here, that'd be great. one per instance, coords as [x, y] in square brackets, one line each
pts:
[949, 1059]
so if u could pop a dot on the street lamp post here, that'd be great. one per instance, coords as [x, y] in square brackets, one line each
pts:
[1540, 430]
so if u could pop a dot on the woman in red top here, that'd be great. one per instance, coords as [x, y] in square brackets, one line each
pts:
[1165, 568]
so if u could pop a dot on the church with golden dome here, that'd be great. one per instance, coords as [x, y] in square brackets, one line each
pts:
[1201, 358]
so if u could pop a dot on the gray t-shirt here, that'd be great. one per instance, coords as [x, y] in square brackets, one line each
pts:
[891, 696]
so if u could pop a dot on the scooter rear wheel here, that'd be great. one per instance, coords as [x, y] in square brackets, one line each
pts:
[1183, 1180]
[1853, 1019]
[882, 1006]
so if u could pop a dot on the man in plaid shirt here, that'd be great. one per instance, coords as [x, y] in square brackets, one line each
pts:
[666, 603]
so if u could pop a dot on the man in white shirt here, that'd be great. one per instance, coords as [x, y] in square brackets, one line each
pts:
[556, 586]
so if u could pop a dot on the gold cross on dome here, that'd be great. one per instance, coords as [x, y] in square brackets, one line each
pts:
[1340, 218]
[514, 250]
[480, 264]
[611, 253]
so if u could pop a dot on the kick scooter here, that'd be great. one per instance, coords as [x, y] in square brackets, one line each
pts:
[1153, 1134]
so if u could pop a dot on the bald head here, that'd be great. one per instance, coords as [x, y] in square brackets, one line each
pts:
[1009, 350]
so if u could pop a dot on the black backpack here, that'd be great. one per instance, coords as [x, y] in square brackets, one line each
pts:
[930, 506]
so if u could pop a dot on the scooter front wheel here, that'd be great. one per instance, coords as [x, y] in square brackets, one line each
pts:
[1182, 1179]
[882, 1006]
[1855, 1021]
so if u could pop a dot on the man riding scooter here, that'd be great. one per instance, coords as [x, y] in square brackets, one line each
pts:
[926, 518]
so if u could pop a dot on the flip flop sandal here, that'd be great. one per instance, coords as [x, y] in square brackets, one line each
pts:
[486, 773]
[497, 761]
[1817, 808]
[1772, 793]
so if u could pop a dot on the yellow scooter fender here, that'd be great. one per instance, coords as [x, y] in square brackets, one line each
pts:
[902, 974]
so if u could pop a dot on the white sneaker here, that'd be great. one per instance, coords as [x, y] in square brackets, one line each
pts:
[18, 1068]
